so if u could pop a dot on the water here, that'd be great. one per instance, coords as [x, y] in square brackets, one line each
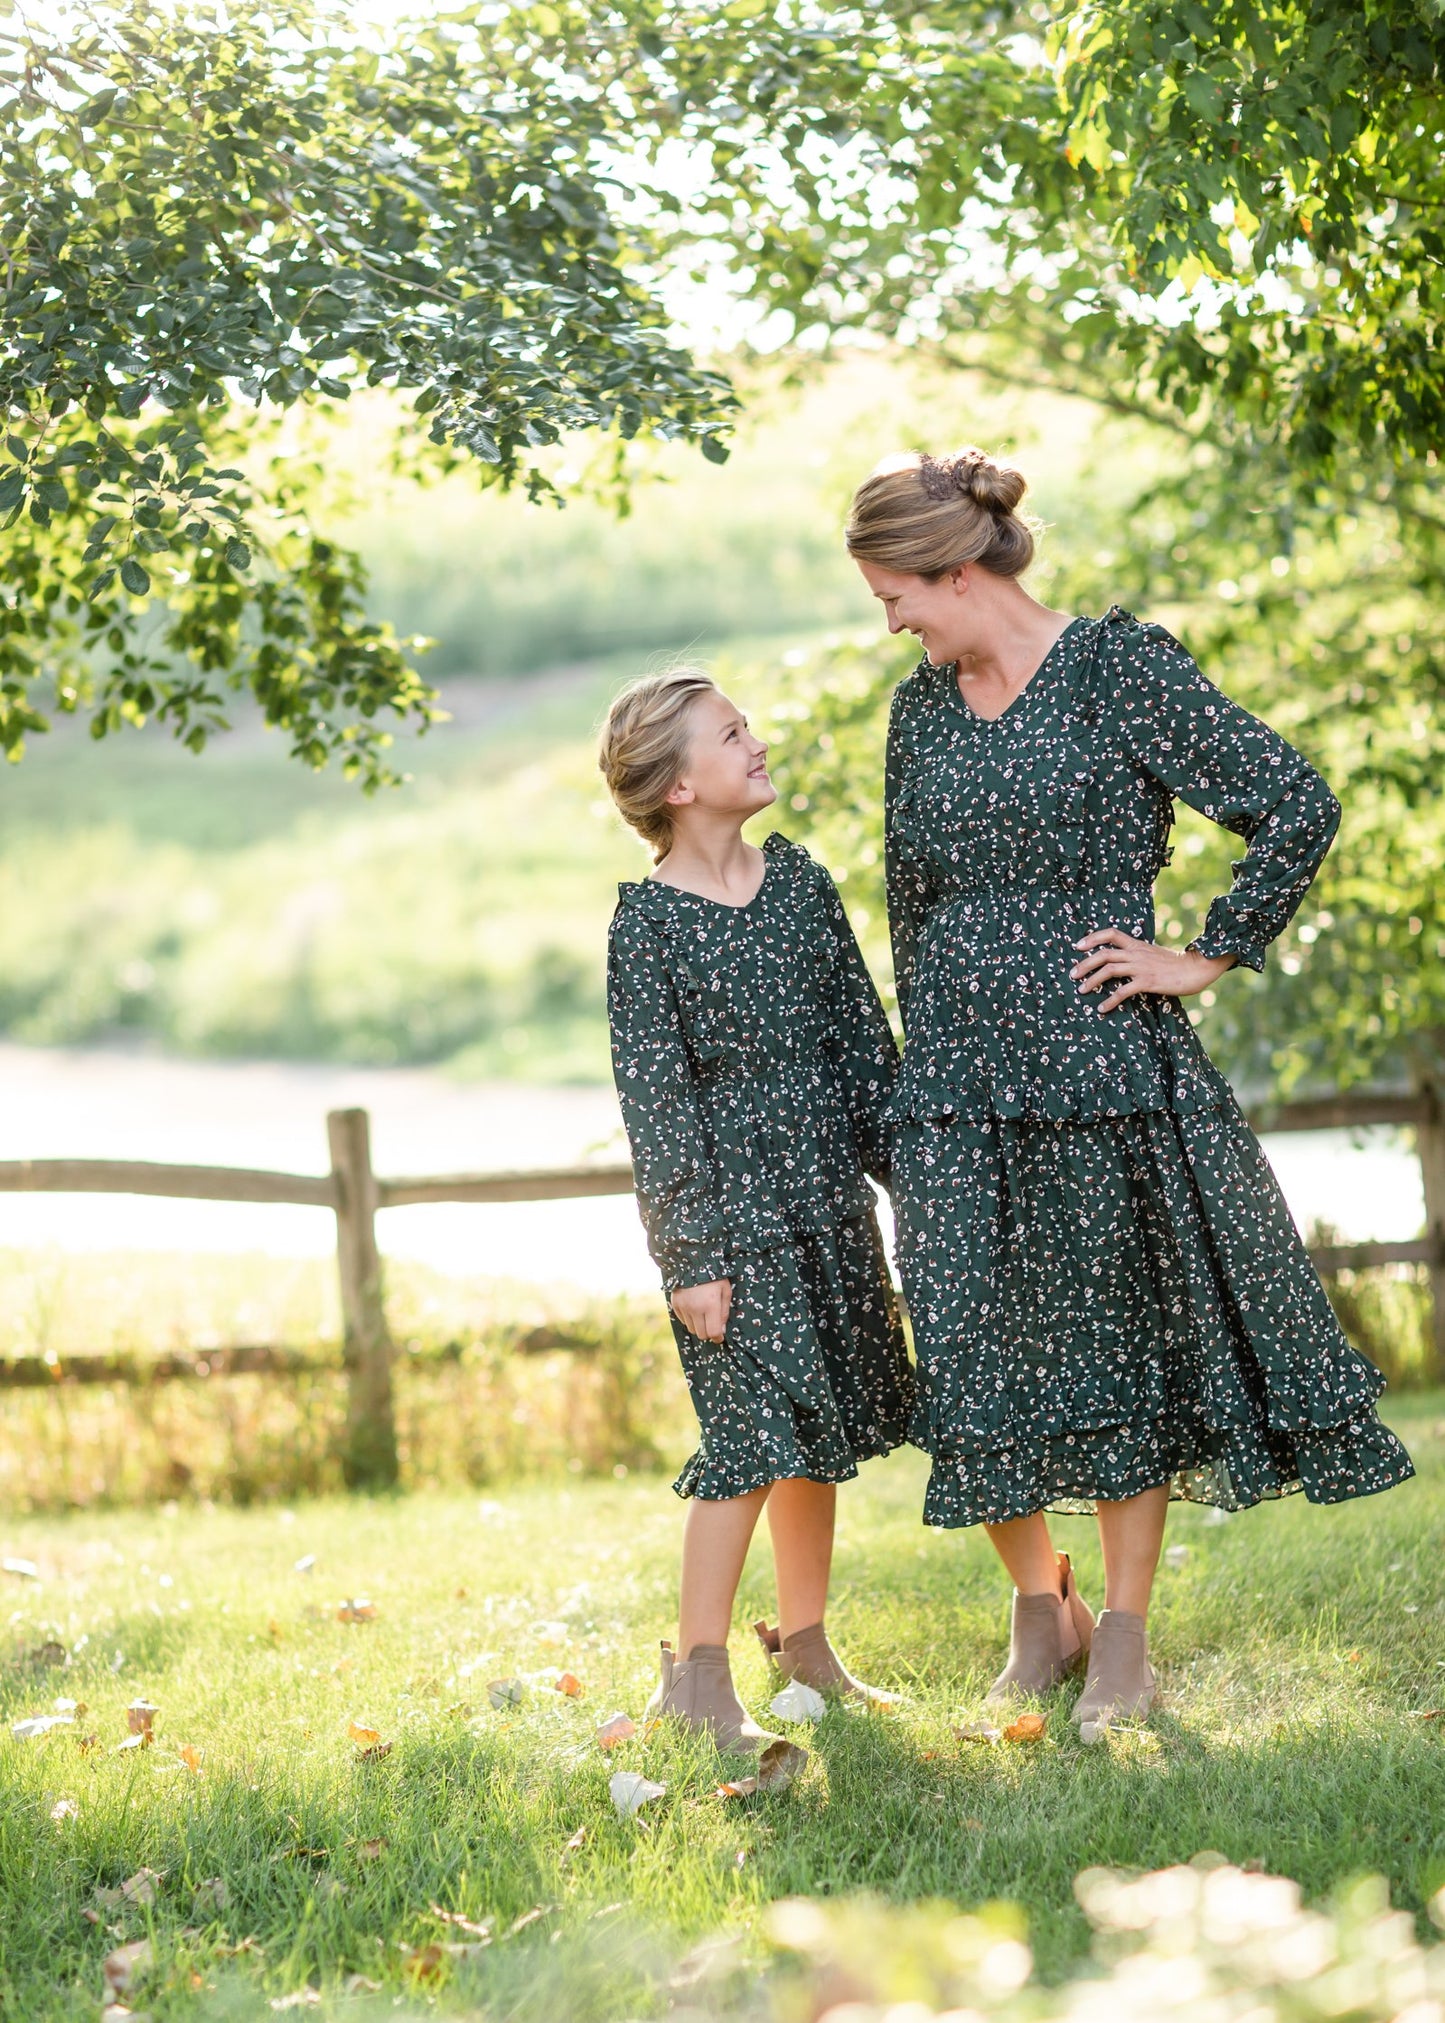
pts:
[107, 1104]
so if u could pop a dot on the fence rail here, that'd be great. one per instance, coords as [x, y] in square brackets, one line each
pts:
[354, 1194]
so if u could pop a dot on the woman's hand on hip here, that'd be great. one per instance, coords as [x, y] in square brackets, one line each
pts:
[1142, 968]
[704, 1309]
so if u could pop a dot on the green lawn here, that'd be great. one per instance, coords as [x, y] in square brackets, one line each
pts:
[1296, 1646]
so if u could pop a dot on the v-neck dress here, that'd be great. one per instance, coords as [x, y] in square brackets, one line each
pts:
[1106, 1288]
[753, 1063]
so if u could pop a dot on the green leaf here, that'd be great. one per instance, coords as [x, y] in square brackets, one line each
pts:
[238, 554]
[12, 489]
[716, 452]
[134, 577]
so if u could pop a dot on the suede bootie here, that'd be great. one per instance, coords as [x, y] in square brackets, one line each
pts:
[1120, 1683]
[698, 1691]
[808, 1656]
[1049, 1637]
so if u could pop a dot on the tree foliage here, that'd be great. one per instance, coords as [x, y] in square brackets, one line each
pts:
[211, 215]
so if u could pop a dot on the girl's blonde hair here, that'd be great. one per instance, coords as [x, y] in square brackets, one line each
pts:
[642, 753]
[925, 516]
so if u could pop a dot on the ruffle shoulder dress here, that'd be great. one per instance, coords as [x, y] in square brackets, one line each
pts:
[1106, 1288]
[754, 1063]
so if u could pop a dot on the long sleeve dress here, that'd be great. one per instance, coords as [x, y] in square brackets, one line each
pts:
[754, 1063]
[1106, 1288]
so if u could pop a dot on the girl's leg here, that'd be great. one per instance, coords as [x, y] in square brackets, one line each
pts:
[1131, 1533]
[715, 1543]
[1027, 1551]
[800, 1519]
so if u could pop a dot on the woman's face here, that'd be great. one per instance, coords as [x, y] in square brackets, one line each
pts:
[727, 772]
[933, 612]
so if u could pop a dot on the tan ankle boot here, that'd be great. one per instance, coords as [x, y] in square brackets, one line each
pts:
[1120, 1684]
[698, 1691]
[808, 1655]
[1050, 1635]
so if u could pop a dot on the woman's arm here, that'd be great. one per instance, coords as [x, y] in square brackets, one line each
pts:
[909, 886]
[1239, 773]
[676, 1192]
[860, 1040]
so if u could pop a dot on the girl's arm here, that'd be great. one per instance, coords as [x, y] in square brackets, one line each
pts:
[860, 1041]
[1236, 771]
[676, 1194]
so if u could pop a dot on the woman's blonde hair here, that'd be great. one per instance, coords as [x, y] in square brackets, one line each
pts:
[924, 516]
[642, 753]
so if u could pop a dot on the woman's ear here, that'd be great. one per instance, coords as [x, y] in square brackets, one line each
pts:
[959, 579]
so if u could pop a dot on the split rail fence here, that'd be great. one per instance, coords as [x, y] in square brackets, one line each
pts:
[354, 1193]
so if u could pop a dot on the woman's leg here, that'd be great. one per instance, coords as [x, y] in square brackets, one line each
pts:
[1027, 1551]
[800, 1519]
[1131, 1533]
[715, 1543]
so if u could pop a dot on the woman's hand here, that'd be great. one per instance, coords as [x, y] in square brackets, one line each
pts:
[704, 1309]
[1143, 967]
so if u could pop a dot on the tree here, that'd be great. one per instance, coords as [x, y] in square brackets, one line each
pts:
[213, 215]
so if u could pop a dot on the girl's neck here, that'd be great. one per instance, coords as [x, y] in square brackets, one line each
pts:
[712, 860]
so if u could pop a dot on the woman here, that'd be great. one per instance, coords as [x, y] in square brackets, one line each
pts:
[753, 1063]
[1111, 1304]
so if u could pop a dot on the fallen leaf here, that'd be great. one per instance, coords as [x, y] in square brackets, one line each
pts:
[459, 1709]
[117, 2012]
[798, 1702]
[211, 1895]
[577, 1842]
[63, 1809]
[191, 1757]
[358, 1984]
[143, 1740]
[427, 1963]
[528, 1918]
[631, 1791]
[49, 1654]
[571, 1685]
[373, 1850]
[304, 1998]
[616, 1728]
[463, 1924]
[1428, 1714]
[1354, 1656]
[375, 1752]
[275, 1632]
[461, 1594]
[88, 1744]
[551, 1633]
[125, 1965]
[506, 1692]
[306, 1563]
[979, 1731]
[1027, 1728]
[362, 1735]
[137, 1889]
[140, 1716]
[76, 1707]
[25, 1568]
[779, 1764]
[39, 1724]
[741, 1787]
[358, 1610]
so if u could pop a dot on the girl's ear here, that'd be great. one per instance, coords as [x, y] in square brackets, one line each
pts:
[680, 795]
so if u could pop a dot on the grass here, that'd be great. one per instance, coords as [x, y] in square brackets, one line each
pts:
[1295, 1645]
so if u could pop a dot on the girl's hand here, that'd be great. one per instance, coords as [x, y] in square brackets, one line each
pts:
[704, 1309]
[1143, 967]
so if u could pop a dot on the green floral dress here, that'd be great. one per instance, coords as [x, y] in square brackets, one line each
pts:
[1106, 1288]
[753, 1064]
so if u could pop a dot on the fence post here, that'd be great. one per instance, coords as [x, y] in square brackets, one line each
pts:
[370, 1458]
[1430, 1145]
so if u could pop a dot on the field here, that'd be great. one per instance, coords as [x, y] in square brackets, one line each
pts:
[1298, 1648]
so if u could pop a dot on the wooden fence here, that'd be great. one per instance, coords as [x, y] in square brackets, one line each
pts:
[354, 1193]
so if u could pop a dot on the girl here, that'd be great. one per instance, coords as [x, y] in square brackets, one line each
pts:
[1111, 1305]
[753, 1061]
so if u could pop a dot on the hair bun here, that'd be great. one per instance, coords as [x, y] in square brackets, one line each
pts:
[973, 474]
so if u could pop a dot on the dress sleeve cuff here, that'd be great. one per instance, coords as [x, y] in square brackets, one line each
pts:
[1225, 937]
[705, 1268]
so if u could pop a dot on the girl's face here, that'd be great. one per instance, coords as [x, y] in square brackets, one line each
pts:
[727, 771]
[937, 614]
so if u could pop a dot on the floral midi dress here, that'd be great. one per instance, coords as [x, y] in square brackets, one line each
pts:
[1106, 1288]
[754, 1062]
